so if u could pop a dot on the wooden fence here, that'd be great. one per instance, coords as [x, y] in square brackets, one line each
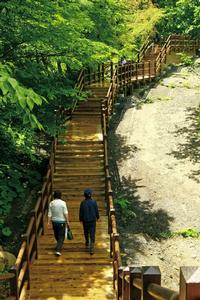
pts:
[19, 276]
[128, 282]
[133, 283]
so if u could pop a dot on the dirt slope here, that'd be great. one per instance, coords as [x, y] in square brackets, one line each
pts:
[157, 149]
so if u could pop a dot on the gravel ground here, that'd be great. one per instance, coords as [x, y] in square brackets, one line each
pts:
[156, 150]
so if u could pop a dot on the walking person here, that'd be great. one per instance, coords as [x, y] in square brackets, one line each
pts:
[88, 215]
[58, 215]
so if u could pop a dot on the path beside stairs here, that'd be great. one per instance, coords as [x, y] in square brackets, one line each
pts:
[79, 165]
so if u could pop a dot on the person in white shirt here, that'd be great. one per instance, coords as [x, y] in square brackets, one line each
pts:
[58, 215]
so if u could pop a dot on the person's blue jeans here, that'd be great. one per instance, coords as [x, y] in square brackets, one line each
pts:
[59, 233]
[89, 231]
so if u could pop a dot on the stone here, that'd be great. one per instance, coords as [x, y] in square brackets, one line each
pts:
[7, 260]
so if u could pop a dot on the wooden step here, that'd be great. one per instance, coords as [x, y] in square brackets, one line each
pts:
[85, 158]
[76, 151]
[79, 166]
[66, 172]
[87, 113]
[84, 142]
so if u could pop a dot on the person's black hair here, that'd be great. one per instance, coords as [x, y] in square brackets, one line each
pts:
[57, 194]
[87, 193]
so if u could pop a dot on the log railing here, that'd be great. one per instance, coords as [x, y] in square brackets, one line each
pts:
[143, 49]
[19, 276]
[133, 283]
[144, 283]
[112, 224]
[128, 282]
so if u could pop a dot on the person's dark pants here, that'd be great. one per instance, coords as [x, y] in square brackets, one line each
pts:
[89, 231]
[59, 233]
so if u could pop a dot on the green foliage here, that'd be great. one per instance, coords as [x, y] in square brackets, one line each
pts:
[187, 232]
[182, 17]
[121, 202]
[5, 230]
[21, 99]
[124, 208]
[187, 60]
[141, 20]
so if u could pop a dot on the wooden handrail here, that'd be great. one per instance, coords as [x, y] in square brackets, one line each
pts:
[162, 293]
[143, 49]
[155, 290]
[20, 273]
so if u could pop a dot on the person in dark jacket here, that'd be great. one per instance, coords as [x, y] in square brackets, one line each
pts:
[88, 215]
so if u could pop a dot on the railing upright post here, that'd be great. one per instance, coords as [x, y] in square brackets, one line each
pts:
[111, 71]
[125, 284]
[155, 67]
[111, 213]
[143, 71]
[103, 71]
[54, 153]
[149, 63]
[165, 53]
[94, 75]
[84, 78]
[136, 72]
[89, 75]
[149, 275]
[160, 62]
[33, 213]
[189, 283]
[14, 289]
[42, 209]
[134, 293]
[119, 283]
[99, 73]
[25, 238]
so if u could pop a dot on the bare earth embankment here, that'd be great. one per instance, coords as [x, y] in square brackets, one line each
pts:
[159, 167]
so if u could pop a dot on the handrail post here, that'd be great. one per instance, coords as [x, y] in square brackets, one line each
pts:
[149, 275]
[119, 283]
[14, 289]
[155, 67]
[189, 283]
[149, 63]
[83, 78]
[33, 213]
[54, 153]
[25, 238]
[99, 73]
[143, 71]
[134, 293]
[111, 71]
[112, 237]
[103, 71]
[115, 237]
[89, 75]
[125, 284]
[42, 211]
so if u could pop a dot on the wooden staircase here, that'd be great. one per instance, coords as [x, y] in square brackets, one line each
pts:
[81, 161]
[79, 164]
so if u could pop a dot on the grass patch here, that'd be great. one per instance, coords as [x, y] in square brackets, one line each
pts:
[187, 232]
